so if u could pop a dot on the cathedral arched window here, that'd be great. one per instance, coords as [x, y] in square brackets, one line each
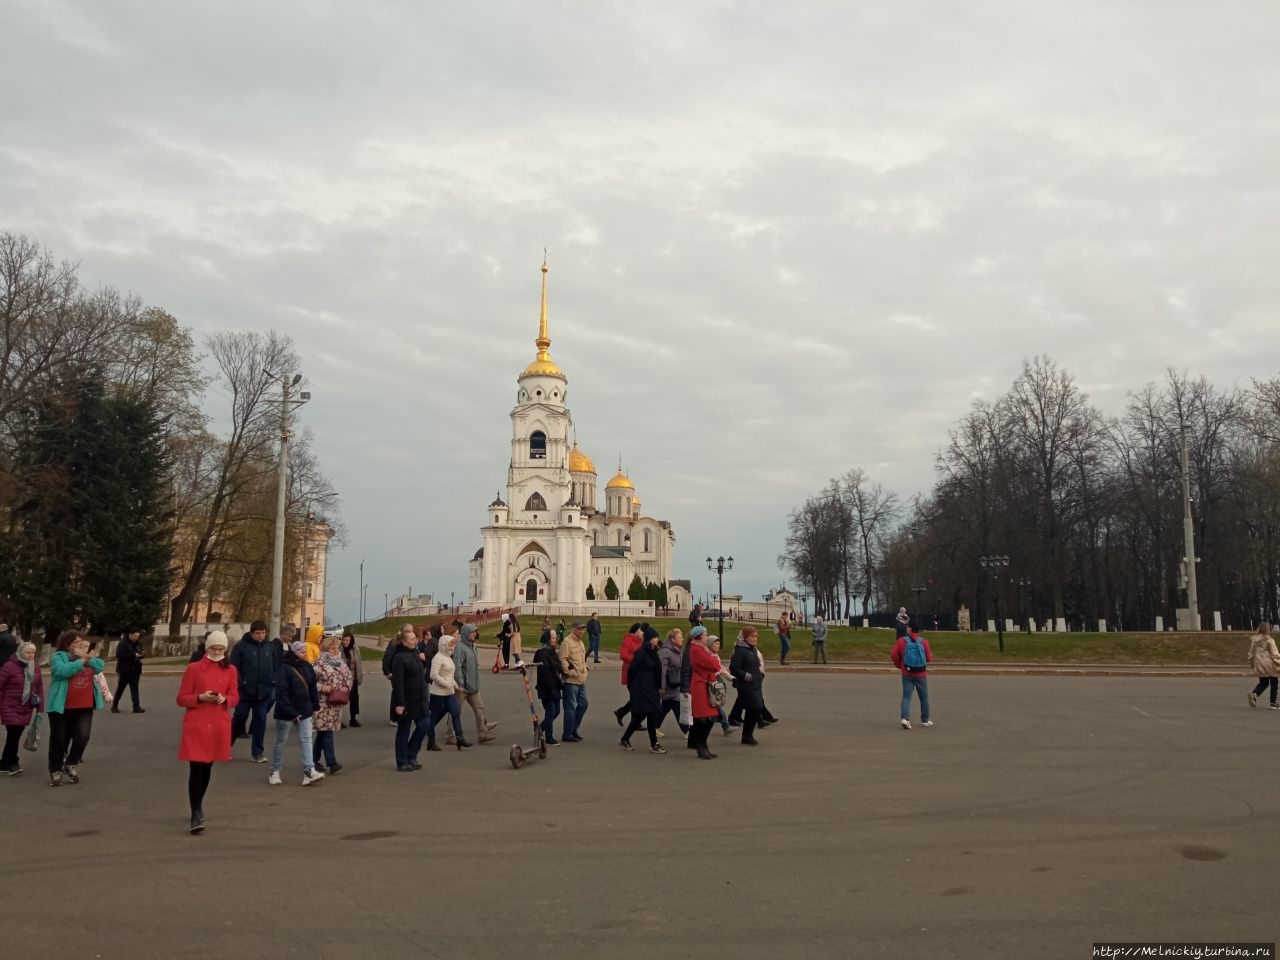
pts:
[646, 541]
[537, 445]
[535, 502]
[595, 538]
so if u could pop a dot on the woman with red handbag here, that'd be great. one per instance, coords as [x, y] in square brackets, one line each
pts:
[333, 680]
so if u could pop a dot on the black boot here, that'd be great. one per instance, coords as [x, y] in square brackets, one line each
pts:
[431, 744]
[464, 744]
[197, 821]
[355, 723]
[704, 754]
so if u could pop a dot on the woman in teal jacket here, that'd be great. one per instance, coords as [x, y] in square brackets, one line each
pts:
[73, 696]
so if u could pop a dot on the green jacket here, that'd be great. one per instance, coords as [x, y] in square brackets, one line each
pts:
[61, 669]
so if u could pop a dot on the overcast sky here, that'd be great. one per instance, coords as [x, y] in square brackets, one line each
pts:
[785, 239]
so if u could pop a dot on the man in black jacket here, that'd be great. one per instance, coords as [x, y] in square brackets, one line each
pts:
[409, 702]
[256, 665]
[550, 683]
[129, 668]
[297, 700]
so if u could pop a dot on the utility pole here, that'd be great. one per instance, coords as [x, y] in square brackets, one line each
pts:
[361, 597]
[282, 483]
[1189, 541]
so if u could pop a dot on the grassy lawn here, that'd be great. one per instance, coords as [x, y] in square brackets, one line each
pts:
[850, 644]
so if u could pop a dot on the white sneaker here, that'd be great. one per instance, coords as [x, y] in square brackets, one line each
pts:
[274, 779]
[906, 724]
[1253, 699]
[927, 723]
[660, 734]
[312, 776]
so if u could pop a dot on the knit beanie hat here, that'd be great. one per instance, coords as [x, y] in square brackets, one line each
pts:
[216, 639]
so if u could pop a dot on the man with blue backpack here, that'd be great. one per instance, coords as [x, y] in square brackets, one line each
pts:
[911, 655]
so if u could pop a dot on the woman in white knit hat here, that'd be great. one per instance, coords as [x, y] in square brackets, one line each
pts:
[210, 690]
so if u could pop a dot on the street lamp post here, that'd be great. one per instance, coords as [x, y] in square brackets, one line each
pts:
[917, 593]
[995, 564]
[718, 567]
[282, 482]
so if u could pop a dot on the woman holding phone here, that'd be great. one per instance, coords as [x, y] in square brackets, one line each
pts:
[210, 690]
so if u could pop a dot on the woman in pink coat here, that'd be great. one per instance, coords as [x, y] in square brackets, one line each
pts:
[21, 695]
[209, 691]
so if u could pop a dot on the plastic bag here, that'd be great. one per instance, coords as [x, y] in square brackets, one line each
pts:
[31, 741]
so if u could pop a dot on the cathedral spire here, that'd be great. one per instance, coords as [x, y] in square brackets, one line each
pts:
[543, 365]
[543, 343]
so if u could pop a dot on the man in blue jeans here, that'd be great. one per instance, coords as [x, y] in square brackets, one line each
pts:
[573, 658]
[593, 637]
[911, 655]
[256, 663]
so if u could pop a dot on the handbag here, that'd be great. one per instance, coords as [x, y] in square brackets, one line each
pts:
[716, 692]
[32, 739]
[338, 697]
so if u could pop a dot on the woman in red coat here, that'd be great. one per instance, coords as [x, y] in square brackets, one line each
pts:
[706, 666]
[210, 692]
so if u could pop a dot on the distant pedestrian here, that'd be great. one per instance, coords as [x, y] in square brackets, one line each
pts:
[630, 643]
[644, 683]
[550, 683]
[409, 701]
[73, 696]
[695, 617]
[351, 656]
[1265, 660]
[593, 637]
[467, 663]
[517, 641]
[398, 643]
[333, 681]
[129, 656]
[209, 692]
[21, 697]
[784, 637]
[297, 700]
[912, 656]
[504, 641]
[573, 657]
[256, 662]
[819, 639]
[747, 668]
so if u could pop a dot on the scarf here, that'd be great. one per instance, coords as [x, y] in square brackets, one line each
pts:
[28, 677]
[332, 661]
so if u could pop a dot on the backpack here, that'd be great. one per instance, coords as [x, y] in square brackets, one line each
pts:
[913, 657]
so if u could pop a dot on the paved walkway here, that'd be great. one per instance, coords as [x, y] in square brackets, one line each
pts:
[1039, 815]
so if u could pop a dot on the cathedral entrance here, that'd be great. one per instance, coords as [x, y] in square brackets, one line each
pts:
[531, 591]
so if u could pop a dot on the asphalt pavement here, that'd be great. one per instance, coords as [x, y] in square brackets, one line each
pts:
[1039, 815]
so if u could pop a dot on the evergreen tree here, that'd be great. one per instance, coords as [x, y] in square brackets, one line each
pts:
[610, 589]
[591, 592]
[636, 590]
[662, 595]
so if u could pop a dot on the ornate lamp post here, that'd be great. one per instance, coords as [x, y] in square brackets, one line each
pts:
[995, 564]
[718, 567]
[1023, 583]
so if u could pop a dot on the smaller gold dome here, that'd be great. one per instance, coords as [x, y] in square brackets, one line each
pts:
[544, 368]
[579, 462]
[620, 482]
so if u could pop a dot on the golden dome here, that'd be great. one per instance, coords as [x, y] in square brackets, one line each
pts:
[545, 368]
[620, 482]
[579, 462]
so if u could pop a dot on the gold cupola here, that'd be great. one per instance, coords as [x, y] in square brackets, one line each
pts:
[543, 365]
[579, 462]
[620, 482]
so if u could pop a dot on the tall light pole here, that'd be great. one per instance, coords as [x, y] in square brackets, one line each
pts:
[1189, 541]
[995, 564]
[718, 567]
[282, 482]
[917, 592]
[360, 596]
[1023, 583]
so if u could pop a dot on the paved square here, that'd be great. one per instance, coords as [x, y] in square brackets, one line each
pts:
[1039, 815]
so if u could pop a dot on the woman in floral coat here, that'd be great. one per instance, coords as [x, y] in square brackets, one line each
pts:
[333, 680]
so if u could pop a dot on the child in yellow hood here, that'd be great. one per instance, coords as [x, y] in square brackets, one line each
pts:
[313, 642]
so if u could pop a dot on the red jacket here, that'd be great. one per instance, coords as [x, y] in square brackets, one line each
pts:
[630, 644]
[705, 666]
[900, 649]
[206, 727]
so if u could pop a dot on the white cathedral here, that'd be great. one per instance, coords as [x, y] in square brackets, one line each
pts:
[548, 541]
